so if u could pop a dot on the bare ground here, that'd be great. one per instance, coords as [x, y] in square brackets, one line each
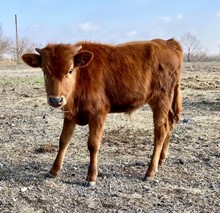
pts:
[189, 181]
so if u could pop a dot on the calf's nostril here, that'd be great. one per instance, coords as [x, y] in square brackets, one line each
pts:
[51, 100]
[55, 101]
[61, 99]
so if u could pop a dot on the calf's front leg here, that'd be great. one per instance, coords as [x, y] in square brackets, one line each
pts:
[96, 126]
[65, 138]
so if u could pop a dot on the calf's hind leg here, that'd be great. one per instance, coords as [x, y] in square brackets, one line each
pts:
[160, 116]
[165, 148]
[65, 138]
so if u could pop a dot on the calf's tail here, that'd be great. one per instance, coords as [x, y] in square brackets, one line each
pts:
[177, 103]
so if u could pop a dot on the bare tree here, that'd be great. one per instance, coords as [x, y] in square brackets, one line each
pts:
[24, 45]
[190, 44]
[5, 43]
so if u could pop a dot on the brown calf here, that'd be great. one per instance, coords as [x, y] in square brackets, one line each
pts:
[89, 80]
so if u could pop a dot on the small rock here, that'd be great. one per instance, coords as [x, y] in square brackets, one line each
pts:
[24, 189]
[139, 163]
[175, 135]
[180, 161]
[136, 195]
[30, 187]
[186, 120]
[25, 95]
[213, 186]
[201, 138]
[2, 116]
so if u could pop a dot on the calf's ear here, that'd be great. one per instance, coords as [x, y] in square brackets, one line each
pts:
[32, 59]
[82, 59]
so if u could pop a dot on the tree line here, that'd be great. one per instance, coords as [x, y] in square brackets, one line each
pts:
[191, 46]
[8, 47]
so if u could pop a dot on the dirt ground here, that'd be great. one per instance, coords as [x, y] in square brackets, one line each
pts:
[189, 181]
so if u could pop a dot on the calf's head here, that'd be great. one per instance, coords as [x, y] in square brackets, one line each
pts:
[59, 63]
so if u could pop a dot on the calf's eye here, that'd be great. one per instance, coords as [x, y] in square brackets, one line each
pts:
[71, 71]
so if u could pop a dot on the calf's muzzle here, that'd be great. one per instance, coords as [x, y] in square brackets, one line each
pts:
[55, 101]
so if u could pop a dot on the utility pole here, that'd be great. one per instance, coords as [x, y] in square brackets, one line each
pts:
[16, 30]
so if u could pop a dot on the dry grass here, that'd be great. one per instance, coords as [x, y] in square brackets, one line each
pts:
[29, 129]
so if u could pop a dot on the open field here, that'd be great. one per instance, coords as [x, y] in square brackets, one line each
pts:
[189, 181]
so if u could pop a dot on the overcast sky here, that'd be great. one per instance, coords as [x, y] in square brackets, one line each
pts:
[112, 21]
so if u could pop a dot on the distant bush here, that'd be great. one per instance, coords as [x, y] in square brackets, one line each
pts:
[202, 57]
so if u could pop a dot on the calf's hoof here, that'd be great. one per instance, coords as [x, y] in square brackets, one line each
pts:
[150, 179]
[90, 183]
[49, 175]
